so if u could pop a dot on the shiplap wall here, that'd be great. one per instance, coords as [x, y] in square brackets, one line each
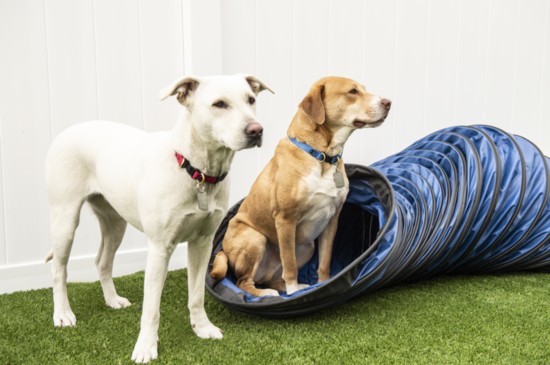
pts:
[64, 62]
[441, 62]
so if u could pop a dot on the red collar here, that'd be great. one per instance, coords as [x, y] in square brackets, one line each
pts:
[197, 174]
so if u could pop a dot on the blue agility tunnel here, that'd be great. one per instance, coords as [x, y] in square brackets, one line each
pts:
[462, 200]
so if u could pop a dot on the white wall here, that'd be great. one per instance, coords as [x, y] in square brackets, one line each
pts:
[441, 62]
[63, 62]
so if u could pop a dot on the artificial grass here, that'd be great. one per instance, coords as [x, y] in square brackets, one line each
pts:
[449, 320]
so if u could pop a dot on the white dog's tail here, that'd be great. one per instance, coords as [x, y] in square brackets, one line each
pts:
[50, 256]
[219, 268]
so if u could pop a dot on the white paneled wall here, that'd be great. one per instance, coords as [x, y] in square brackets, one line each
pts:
[64, 62]
[441, 62]
[25, 129]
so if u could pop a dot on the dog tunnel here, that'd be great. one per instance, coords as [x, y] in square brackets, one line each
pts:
[462, 200]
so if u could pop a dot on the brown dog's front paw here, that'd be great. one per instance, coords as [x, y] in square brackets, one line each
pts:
[295, 287]
[322, 278]
[268, 293]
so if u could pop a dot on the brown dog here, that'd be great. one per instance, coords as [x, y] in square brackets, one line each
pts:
[299, 194]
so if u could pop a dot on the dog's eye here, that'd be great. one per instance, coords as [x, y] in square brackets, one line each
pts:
[354, 91]
[220, 104]
[251, 100]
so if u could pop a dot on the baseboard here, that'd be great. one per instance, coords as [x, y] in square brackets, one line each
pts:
[36, 275]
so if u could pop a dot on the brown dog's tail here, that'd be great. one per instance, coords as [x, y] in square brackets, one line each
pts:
[219, 268]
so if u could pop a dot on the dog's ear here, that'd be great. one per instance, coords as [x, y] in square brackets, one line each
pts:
[184, 88]
[256, 85]
[313, 106]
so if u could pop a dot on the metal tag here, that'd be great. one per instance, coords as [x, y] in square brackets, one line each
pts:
[202, 198]
[338, 179]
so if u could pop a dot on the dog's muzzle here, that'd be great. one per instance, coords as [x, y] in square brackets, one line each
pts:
[254, 132]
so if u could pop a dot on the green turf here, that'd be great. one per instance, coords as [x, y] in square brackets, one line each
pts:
[450, 320]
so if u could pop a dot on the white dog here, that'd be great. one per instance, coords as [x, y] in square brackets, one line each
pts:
[170, 185]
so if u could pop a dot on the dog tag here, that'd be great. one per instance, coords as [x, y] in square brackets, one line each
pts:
[338, 179]
[202, 197]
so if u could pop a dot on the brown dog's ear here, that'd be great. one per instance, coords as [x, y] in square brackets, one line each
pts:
[313, 106]
[184, 88]
[256, 85]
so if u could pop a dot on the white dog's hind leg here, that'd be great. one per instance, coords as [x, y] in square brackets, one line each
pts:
[158, 256]
[198, 254]
[64, 220]
[113, 228]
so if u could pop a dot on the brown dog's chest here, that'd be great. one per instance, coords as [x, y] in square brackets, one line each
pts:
[322, 199]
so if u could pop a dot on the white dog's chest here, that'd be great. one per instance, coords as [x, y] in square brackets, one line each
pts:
[184, 221]
[196, 225]
[323, 202]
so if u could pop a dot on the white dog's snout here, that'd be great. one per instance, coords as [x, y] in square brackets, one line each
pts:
[254, 130]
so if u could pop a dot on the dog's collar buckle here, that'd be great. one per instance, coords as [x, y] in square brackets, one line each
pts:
[197, 174]
[318, 155]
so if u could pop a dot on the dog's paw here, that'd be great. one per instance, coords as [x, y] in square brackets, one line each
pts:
[268, 293]
[145, 351]
[207, 330]
[117, 302]
[64, 318]
[290, 289]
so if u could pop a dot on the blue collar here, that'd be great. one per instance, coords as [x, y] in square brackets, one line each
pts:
[321, 156]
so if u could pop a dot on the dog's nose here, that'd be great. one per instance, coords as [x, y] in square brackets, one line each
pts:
[254, 130]
[386, 103]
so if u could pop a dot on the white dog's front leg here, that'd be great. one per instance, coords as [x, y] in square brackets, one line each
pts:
[158, 256]
[198, 253]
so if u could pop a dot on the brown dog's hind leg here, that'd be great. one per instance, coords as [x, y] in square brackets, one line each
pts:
[245, 252]
[219, 267]
[278, 285]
